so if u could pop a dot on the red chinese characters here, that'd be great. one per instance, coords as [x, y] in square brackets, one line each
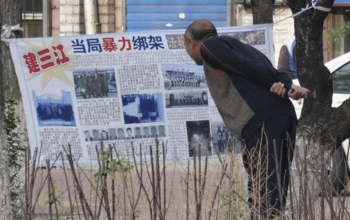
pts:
[31, 62]
[109, 44]
[125, 44]
[45, 59]
[59, 54]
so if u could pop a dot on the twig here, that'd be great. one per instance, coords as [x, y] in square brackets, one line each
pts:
[29, 187]
[140, 177]
[164, 181]
[113, 188]
[158, 181]
[104, 186]
[67, 185]
[223, 173]
[133, 203]
[195, 185]
[42, 186]
[82, 198]
[187, 179]
[153, 184]
[204, 180]
[49, 188]
[99, 179]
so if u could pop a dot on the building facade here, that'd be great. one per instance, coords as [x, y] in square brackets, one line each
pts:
[66, 17]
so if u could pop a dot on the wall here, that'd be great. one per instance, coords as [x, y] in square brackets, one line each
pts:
[55, 17]
[71, 17]
[106, 11]
[68, 17]
[119, 15]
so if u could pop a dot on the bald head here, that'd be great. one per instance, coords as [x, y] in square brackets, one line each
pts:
[195, 33]
[200, 30]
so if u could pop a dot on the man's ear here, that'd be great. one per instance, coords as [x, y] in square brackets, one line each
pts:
[195, 44]
[191, 43]
[188, 43]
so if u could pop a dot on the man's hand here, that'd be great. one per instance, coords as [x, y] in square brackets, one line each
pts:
[278, 89]
[298, 92]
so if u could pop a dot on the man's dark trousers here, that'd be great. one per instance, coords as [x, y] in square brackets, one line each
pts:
[267, 157]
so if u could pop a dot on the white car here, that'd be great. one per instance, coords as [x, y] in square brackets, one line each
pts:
[340, 70]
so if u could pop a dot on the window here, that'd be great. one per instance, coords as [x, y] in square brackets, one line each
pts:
[33, 6]
[32, 18]
[341, 80]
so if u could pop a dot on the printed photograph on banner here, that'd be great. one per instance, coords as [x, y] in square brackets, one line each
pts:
[95, 83]
[223, 141]
[183, 76]
[112, 134]
[142, 108]
[53, 109]
[186, 99]
[198, 134]
[125, 133]
[138, 133]
[96, 135]
[153, 131]
[104, 134]
[121, 133]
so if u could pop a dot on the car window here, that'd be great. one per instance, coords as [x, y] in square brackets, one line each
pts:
[341, 80]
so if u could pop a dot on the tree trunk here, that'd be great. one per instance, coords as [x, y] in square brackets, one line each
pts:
[10, 12]
[5, 199]
[262, 11]
[5, 203]
[321, 128]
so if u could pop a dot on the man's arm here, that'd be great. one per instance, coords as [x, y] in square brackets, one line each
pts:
[234, 57]
[296, 92]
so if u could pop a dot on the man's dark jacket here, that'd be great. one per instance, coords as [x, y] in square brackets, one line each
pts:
[251, 76]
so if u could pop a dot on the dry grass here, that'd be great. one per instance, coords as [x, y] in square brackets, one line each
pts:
[200, 188]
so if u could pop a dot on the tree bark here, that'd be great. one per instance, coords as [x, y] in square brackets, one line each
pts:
[5, 203]
[5, 200]
[321, 128]
[10, 12]
[262, 11]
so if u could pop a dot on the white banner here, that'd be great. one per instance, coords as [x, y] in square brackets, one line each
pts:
[122, 89]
